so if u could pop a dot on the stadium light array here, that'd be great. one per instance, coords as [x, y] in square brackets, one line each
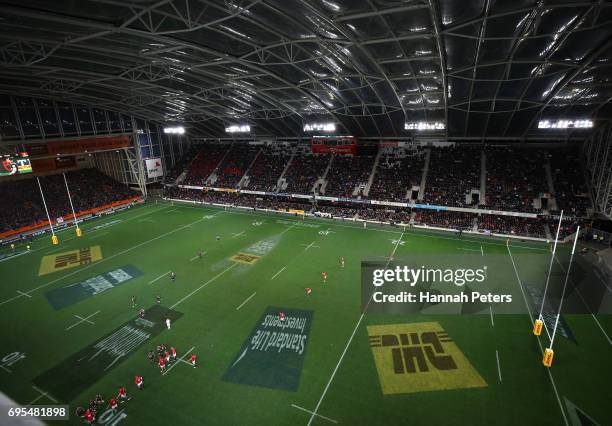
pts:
[424, 125]
[565, 124]
[180, 130]
[244, 128]
[320, 127]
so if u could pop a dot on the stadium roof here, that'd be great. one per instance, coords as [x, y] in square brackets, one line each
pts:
[487, 68]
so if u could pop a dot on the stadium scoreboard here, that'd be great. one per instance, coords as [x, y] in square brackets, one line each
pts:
[15, 164]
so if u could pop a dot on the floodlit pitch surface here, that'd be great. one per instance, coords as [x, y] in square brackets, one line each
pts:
[264, 262]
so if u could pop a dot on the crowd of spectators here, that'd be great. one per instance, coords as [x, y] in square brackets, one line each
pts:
[453, 172]
[571, 193]
[385, 214]
[397, 172]
[305, 169]
[336, 211]
[512, 225]
[180, 166]
[89, 188]
[205, 162]
[515, 177]
[445, 219]
[235, 165]
[346, 173]
[267, 169]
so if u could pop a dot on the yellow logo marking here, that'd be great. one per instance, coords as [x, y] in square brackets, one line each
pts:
[419, 357]
[69, 259]
[245, 258]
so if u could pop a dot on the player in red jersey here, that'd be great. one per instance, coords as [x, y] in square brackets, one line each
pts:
[138, 382]
[112, 404]
[281, 316]
[122, 395]
[167, 356]
[173, 350]
[193, 360]
[89, 416]
[308, 291]
[324, 275]
[162, 363]
[342, 262]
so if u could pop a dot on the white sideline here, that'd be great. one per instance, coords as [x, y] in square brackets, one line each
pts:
[583, 301]
[180, 228]
[552, 380]
[498, 366]
[314, 413]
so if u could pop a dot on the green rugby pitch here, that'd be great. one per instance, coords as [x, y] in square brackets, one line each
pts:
[331, 379]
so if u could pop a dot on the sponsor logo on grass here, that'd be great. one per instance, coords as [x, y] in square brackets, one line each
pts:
[69, 259]
[80, 370]
[253, 253]
[273, 354]
[419, 357]
[245, 258]
[74, 293]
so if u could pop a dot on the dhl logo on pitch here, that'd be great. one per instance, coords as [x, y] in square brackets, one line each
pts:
[419, 357]
[69, 259]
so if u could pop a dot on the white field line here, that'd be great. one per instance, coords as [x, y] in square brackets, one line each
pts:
[55, 250]
[42, 393]
[203, 285]
[278, 273]
[103, 221]
[99, 235]
[177, 361]
[180, 228]
[318, 415]
[81, 319]
[247, 299]
[481, 251]
[171, 211]
[552, 380]
[491, 312]
[467, 249]
[585, 304]
[498, 365]
[158, 278]
[238, 234]
[348, 343]
[419, 232]
[5, 368]
[24, 294]
[309, 246]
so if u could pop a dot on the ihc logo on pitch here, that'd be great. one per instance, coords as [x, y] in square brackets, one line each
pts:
[419, 357]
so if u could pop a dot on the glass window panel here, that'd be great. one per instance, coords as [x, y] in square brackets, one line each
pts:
[8, 124]
[115, 121]
[127, 122]
[84, 119]
[100, 120]
[67, 119]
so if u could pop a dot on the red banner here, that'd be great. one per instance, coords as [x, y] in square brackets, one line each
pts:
[333, 149]
[67, 217]
[76, 146]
